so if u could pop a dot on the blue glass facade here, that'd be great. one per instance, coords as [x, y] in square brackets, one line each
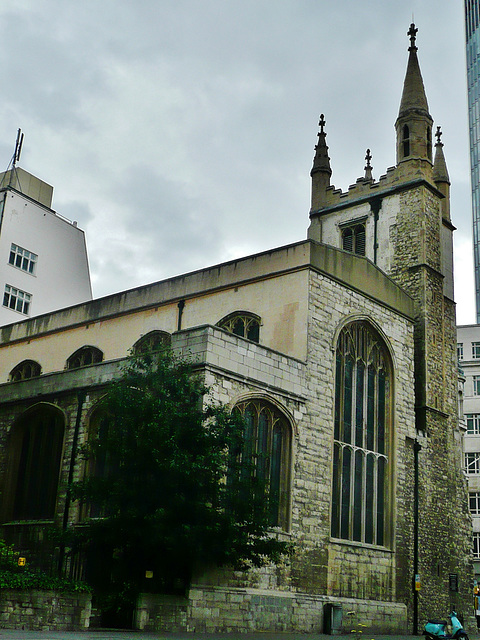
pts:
[472, 30]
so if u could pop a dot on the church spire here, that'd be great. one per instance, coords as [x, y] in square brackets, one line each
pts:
[321, 170]
[414, 122]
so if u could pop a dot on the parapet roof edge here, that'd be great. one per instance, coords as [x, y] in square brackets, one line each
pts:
[269, 263]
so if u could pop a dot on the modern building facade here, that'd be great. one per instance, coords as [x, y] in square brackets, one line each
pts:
[468, 348]
[472, 32]
[43, 256]
[342, 351]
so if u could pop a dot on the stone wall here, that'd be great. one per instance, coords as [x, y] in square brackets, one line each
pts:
[230, 610]
[44, 610]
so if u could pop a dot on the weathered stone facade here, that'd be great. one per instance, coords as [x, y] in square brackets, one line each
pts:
[354, 348]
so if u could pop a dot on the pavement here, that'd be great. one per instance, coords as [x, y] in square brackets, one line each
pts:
[105, 634]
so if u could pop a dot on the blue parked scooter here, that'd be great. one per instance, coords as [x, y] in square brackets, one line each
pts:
[435, 629]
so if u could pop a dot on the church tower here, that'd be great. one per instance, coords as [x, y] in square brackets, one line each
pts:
[402, 224]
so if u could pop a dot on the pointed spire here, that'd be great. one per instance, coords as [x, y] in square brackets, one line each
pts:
[321, 170]
[413, 96]
[414, 122]
[440, 172]
[321, 161]
[368, 166]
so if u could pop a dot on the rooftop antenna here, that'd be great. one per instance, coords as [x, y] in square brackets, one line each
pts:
[18, 149]
[12, 165]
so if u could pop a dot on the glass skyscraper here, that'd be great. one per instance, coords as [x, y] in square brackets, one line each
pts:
[472, 29]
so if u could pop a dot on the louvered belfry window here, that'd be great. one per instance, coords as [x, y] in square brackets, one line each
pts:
[353, 239]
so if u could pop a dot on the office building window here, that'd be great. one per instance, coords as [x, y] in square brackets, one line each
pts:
[460, 350]
[476, 350]
[473, 423]
[23, 259]
[474, 503]
[472, 462]
[16, 299]
[476, 545]
[476, 385]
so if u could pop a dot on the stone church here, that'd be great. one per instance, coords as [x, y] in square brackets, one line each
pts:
[342, 347]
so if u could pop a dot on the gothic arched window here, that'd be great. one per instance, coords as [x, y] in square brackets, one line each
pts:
[25, 370]
[34, 456]
[406, 140]
[150, 342]
[362, 431]
[242, 323]
[84, 356]
[267, 447]
[99, 465]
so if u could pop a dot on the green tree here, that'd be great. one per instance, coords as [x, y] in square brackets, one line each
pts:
[167, 478]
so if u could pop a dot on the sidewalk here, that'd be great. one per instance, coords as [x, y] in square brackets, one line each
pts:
[105, 634]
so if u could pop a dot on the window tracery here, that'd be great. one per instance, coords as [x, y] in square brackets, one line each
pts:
[150, 342]
[84, 356]
[25, 370]
[361, 436]
[267, 447]
[243, 324]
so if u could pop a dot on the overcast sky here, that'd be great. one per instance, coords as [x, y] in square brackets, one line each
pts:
[180, 133]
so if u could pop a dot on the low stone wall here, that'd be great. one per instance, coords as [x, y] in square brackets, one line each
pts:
[44, 610]
[225, 610]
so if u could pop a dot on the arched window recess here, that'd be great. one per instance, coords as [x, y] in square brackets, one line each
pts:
[25, 370]
[243, 324]
[84, 356]
[362, 436]
[150, 342]
[267, 454]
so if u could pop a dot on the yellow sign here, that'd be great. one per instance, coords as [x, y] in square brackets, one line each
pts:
[148, 574]
[22, 562]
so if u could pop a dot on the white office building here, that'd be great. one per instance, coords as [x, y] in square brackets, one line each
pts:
[468, 349]
[43, 256]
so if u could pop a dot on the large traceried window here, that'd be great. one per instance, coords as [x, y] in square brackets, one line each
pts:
[363, 400]
[268, 445]
[34, 457]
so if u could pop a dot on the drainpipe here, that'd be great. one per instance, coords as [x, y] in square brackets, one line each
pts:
[416, 448]
[180, 306]
[375, 205]
[80, 400]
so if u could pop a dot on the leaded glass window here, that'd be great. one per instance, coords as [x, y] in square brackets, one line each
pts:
[267, 448]
[84, 356]
[152, 341]
[25, 370]
[242, 323]
[361, 436]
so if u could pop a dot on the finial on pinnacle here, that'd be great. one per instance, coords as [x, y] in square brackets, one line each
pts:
[368, 157]
[439, 135]
[368, 166]
[412, 32]
[321, 123]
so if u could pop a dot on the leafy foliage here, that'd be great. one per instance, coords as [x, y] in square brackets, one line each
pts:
[166, 479]
[21, 578]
